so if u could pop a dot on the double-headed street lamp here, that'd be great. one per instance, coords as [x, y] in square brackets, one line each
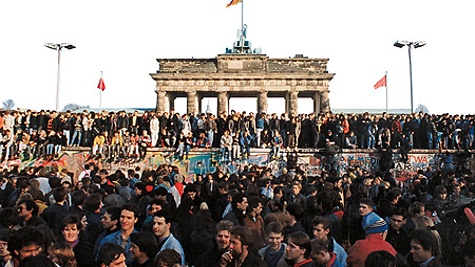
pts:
[410, 45]
[59, 47]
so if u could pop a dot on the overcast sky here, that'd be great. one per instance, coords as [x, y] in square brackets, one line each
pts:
[124, 38]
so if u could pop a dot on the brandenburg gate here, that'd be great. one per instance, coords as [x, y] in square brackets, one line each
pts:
[247, 74]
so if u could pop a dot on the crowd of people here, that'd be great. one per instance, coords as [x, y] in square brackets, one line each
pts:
[154, 217]
[120, 134]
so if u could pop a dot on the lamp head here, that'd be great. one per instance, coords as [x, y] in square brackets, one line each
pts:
[401, 44]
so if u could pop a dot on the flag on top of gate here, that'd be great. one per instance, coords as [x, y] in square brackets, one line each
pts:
[233, 2]
[101, 84]
[380, 83]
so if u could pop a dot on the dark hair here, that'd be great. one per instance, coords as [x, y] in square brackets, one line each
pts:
[114, 213]
[30, 205]
[244, 235]
[164, 214]
[161, 191]
[468, 249]
[400, 212]
[23, 237]
[318, 246]
[426, 239]
[324, 221]
[367, 201]
[93, 202]
[275, 227]
[131, 207]
[301, 240]
[39, 260]
[59, 194]
[168, 256]
[380, 258]
[78, 197]
[146, 243]
[71, 219]
[295, 210]
[108, 253]
[5, 234]
[141, 186]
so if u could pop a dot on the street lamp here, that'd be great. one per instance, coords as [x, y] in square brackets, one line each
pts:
[410, 45]
[59, 47]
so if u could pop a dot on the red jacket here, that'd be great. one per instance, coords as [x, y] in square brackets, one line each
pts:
[359, 251]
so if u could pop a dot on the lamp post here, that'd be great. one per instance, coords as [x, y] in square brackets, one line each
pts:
[59, 47]
[410, 45]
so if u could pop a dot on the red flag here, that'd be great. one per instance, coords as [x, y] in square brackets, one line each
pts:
[233, 2]
[380, 83]
[101, 85]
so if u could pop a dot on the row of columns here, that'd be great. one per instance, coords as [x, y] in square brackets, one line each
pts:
[165, 101]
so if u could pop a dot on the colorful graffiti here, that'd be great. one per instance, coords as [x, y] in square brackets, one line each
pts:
[201, 163]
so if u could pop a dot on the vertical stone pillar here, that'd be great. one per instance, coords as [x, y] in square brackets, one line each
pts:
[192, 101]
[171, 101]
[222, 102]
[316, 102]
[324, 102]
[292, 98]
[162, 101]
[262, 102]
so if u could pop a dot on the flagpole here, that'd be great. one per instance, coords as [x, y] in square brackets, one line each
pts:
[386, 91]
[242, 25]
[100, 96]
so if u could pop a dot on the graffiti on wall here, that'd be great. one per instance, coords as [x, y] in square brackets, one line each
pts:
[310, 164]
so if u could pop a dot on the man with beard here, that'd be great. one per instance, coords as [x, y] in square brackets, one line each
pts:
[239, 253]
[222, 242]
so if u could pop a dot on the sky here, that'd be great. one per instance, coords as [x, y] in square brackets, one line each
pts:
[123, 39]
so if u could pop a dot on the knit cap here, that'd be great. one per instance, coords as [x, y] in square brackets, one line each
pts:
[372, 224]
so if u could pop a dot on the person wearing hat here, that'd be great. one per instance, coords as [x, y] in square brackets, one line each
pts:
[375, 231]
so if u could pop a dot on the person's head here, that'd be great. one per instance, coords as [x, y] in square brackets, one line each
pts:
[423, 245]
[298, 247]
[167, 258]
[70, 227]
[380, 258]
[373, 224]
[62, 254]
[26, 241]
[8, 217]
[93, 202]
[144, 246]
[78, 197]
[110, 218]
[161, 223]
[157, 204]
[469, 253]
[319, 252]
[275, 235]
[223, 234]
[295, 211]
[255, 205]
[111, 255]
[321, 227]
[366, 206]
[296, 187]
[39, 260]
[27, 208]
[59, 194]
[398, 219]
[239, 202]
[241, 241]
[4, 237]
[129, 214]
